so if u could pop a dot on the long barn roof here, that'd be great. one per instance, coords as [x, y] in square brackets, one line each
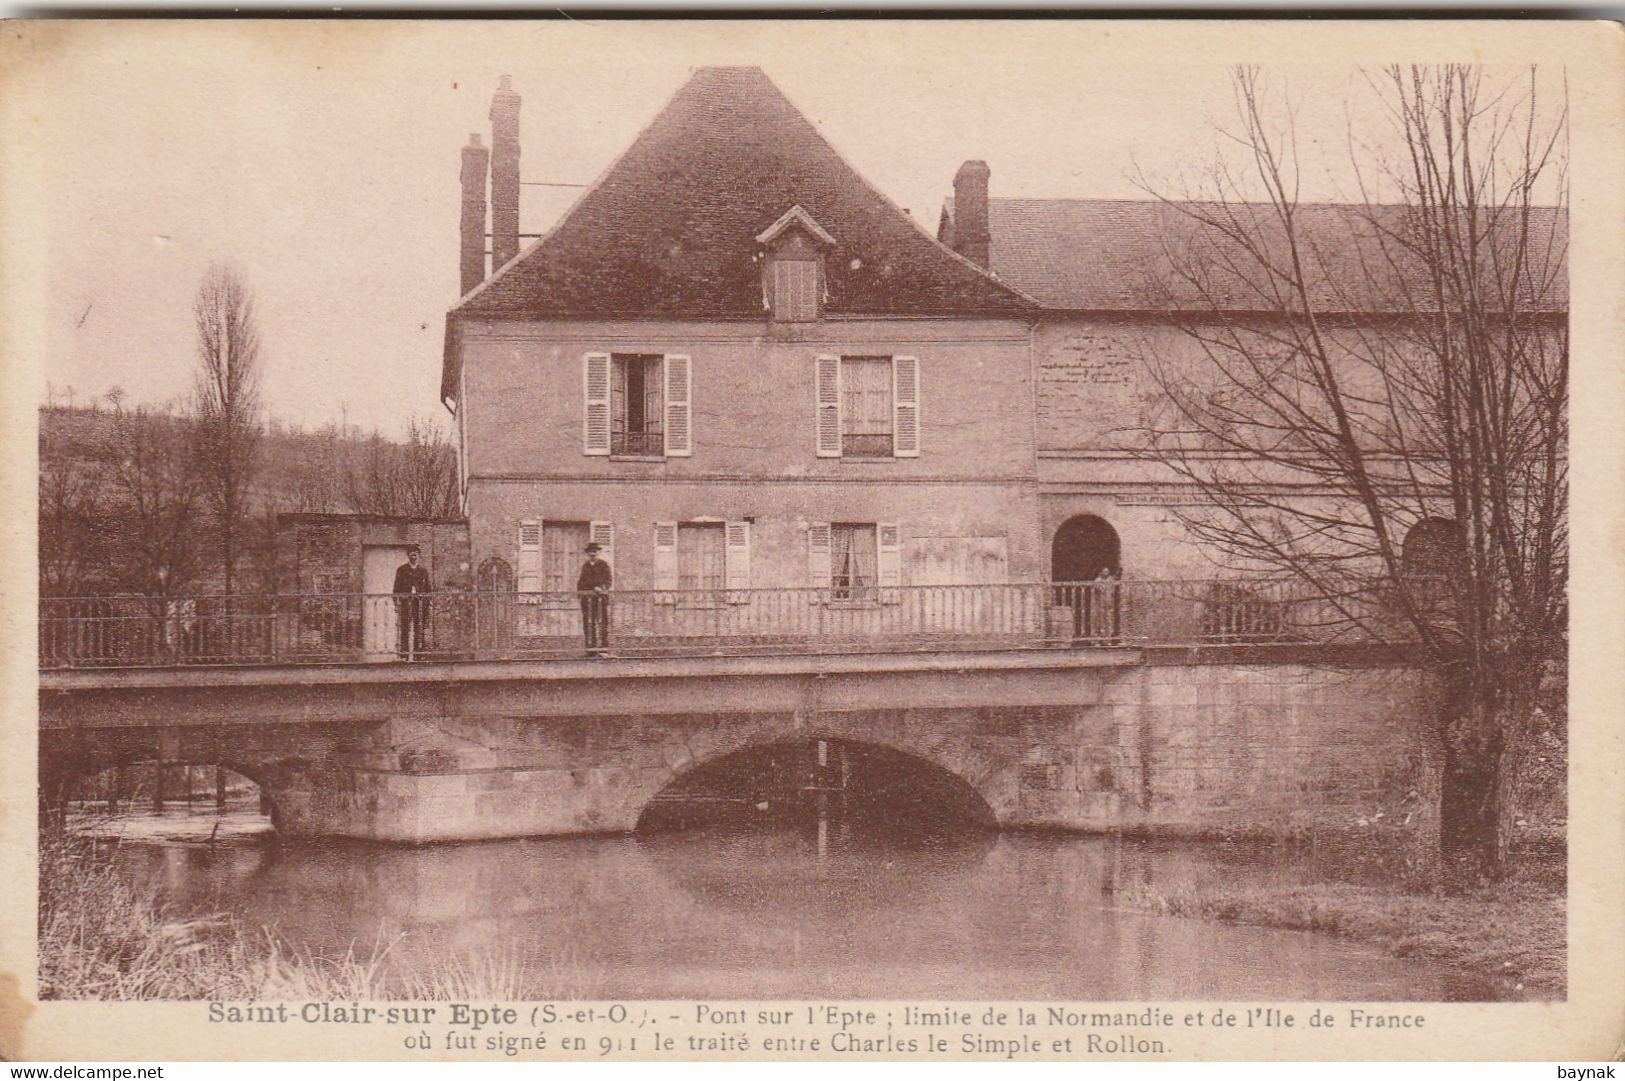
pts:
[1151, 255]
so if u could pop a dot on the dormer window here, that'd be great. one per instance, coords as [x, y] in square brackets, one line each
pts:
[796, 289]
[793, 250]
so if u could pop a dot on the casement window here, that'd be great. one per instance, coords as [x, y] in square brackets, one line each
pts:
[796, 289]
[551, 554]
[868, 406]
[637, 405]
[702, 562]
[855, 561]
[563, 551]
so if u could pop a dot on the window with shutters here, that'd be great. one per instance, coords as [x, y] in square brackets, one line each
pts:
[637, 405]
[868, 407]
[857, 563]
[550, 554]
[702, 563]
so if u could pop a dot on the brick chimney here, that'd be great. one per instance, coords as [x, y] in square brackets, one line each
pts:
[504, 174]
[471, 258]
[971, 236]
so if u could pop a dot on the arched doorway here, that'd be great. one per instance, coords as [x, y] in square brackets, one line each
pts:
[1084, 548]
[494, 611]
[1432, 549]
[1086, 556]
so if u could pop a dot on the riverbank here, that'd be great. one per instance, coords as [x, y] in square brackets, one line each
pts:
[1514, 930]
[102, 938]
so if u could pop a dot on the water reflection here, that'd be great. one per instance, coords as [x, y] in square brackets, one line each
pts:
[728, 912]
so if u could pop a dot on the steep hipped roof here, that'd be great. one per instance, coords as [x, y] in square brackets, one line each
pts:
[670, 230]
[1119, 255]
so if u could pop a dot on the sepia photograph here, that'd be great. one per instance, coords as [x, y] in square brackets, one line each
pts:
[636, 512]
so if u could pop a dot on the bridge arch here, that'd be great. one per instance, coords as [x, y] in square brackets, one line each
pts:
[67, 761]
[799, 774]
[108, 782]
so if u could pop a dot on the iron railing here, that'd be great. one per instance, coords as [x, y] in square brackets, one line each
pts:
[121, 631]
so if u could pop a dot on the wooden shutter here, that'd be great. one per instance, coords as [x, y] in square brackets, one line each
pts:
[666, 561]
[736, 561]
[679, 411]
[905, 407]
[603, 535]
[889, 562]
[828, 379]
[818, 556]
[530, 557]
[595, 389]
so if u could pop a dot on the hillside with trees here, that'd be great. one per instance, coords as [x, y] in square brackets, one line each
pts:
[125, 503]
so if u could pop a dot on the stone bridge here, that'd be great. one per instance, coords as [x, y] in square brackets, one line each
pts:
[1101, 739]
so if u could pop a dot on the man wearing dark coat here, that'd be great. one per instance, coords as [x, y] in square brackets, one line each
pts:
[592, 585]
[411, 604]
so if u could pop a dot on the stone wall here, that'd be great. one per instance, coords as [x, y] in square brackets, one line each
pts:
[322, 553]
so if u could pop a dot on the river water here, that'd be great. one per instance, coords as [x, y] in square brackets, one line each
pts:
[771, 912]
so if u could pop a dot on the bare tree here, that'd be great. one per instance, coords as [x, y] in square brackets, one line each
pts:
[1375, 407]
[228, 404]
[153, 489]
[417, 479]
[72, 544]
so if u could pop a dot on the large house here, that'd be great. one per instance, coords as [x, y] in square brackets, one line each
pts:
[738, 367]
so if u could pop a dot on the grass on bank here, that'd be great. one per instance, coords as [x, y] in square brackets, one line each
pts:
[100, 937]
[1514, 929]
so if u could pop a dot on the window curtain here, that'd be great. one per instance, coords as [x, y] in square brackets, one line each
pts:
[852, 555]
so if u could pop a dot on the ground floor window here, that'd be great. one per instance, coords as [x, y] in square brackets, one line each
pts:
[853, 560]
[563, 548]
[701, 556]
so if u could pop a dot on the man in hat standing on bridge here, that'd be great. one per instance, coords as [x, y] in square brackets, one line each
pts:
[411, 603]
[593, 587]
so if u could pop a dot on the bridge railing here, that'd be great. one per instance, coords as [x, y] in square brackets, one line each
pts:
[123, 631]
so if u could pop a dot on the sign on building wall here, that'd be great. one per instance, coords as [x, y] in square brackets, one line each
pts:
[943, 561]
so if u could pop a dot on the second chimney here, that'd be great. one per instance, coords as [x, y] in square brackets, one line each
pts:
[471, 256]
[971, 236]
[504, 174]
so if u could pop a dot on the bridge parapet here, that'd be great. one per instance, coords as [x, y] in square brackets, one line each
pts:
[323, 629]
